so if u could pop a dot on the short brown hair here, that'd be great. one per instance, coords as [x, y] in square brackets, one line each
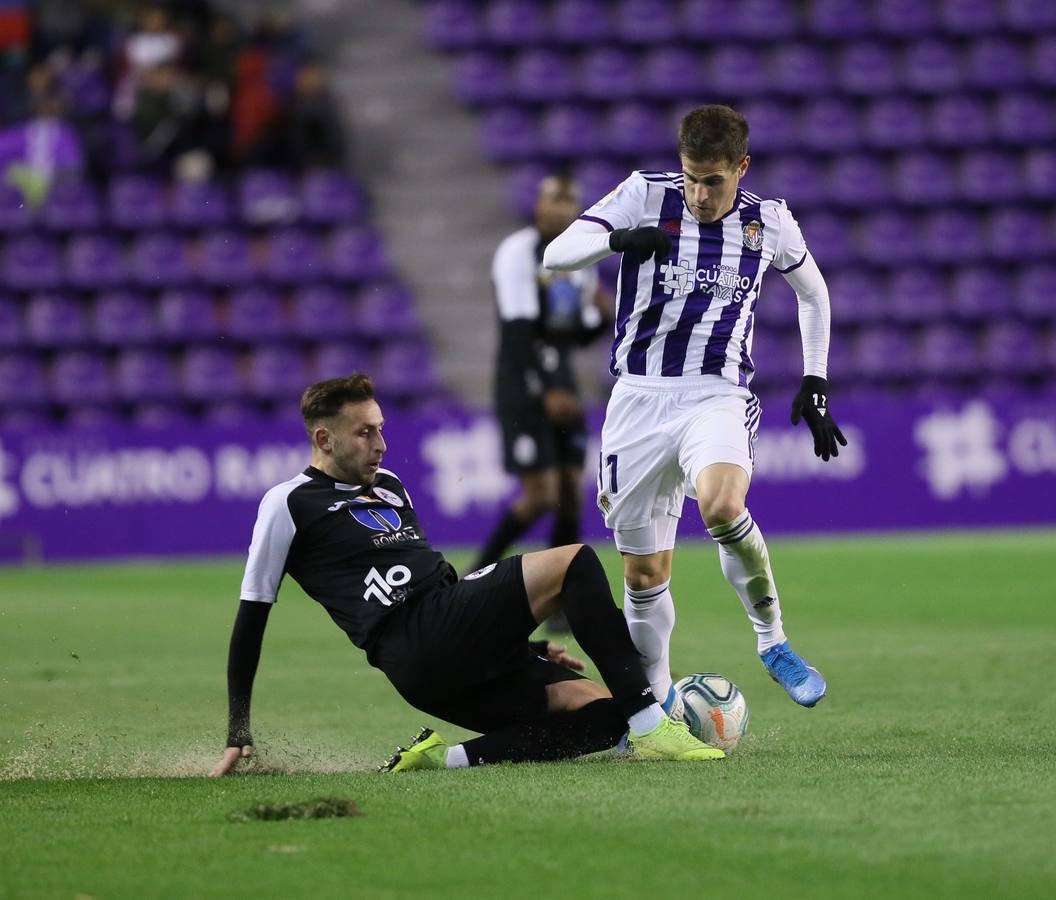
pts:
[325, 398]
[713, 133]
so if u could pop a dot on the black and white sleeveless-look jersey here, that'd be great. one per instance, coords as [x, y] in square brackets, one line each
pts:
[357, 550]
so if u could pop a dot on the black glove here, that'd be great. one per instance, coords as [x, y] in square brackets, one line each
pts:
[640, 243]
[811, 403]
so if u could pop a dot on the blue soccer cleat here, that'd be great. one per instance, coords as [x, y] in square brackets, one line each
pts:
[801, 681]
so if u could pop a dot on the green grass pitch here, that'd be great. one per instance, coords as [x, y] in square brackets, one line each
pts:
[929, 771]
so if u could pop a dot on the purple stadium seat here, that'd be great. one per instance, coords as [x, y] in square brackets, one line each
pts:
[15, 214]
[295, 256]
[277, 372]
[1035, 287]
[330, 197]
[268, 197]
[12, 324]
[838, 18]
[542, 76]
[1039, 173]
[95, 261]
[86, 87]
[255, 314]
[226, 259]
[123, 317]
[186, 314]
[1043, 61]
[356, 254]
[145, 375]
[884, 353]
[830, 125]
[969, 16]
[636, 129]
[923, 179]
[385, 310]
[56, 320]
[798, 178]
[948, 350]
[997, 62]
[159, 260]
[30, 263]
[199, 204]
[706, 20]
[158, 416]
[510, 133]
[322, 310]
[647, 22]
[515, 23]
[960, 121]
[570, 131]
[333, 360]
[582, 21]
[1025, 118]
[738, 71]
[801, 70]
[829, 238]
[453, 24]
[916, 295]
[778, 310]
[210, 373]
[597, 177]
[858, 296]
[481, 78]
[1011, 347]
[1030, 16]
[987, 174]
[72, 206]
[774, 126]
[524, 181]
[859, 181]
[136, 201]
[888, 238]
[81, 376]
[895, 123]
[673, 73]
[406, 370]
[92, 418]
[932, 67]
[904, 18]
[979, 293]
[868, 68]
[952, 236]
[610, 74]
[22, 381]
[1019, 235]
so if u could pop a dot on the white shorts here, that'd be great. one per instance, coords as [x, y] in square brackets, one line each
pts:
[659, 434]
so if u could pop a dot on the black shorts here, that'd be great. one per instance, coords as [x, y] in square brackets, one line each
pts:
[531, 442]
[461, 654]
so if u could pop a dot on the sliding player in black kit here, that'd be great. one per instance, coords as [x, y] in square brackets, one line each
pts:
[346, 531]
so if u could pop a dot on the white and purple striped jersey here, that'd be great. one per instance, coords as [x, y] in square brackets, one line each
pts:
[691, 313]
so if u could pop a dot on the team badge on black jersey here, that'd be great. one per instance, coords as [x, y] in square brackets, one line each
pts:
[753, 235]
[388, 496]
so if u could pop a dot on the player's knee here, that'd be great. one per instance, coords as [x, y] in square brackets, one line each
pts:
[568, 696]
[643, 572]
[722, 508]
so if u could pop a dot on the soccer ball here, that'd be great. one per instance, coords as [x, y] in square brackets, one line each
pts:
[716, 711]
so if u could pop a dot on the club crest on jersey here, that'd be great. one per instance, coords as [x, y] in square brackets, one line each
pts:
[377, 519]
[388, 496]
[752, 232]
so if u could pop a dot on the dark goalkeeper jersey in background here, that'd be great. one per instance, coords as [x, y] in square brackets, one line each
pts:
[358, 550]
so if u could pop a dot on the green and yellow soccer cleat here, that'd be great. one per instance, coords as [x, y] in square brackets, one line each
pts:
[427, 751]
[671, 740]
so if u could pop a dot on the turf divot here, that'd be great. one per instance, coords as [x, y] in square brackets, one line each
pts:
[320, 808]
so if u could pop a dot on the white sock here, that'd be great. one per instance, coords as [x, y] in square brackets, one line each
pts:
[645, 719]
[456, 757]
[650, 615]
[746, 565]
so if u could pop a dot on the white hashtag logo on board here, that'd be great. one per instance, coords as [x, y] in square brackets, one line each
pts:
[962, 450]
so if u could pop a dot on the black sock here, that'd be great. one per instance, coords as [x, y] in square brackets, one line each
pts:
[565, 529]
[602, 632]
[549, 736]
[505, 533]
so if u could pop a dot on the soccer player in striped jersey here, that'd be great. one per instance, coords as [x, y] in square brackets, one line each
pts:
[682, 417]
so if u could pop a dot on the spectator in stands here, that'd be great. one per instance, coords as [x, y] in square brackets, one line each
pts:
[543, 316]
[166, 114]
[154, 43]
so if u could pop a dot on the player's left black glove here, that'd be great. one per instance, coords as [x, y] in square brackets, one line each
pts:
[812, 404]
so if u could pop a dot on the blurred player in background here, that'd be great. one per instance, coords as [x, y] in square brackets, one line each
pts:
[681, 418]
[543, 317]
[346, 531]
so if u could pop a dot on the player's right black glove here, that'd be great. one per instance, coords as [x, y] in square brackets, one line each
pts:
[811, 403]
[640, 243]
